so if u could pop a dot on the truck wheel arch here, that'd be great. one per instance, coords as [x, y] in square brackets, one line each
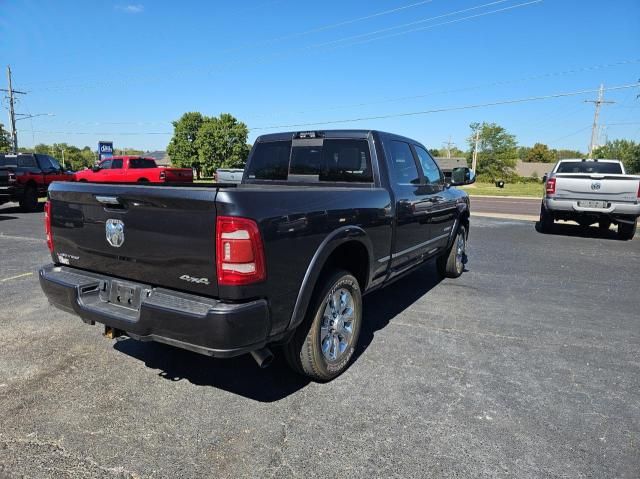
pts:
[348, 244]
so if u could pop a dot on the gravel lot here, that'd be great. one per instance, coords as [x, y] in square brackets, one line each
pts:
[527, 366]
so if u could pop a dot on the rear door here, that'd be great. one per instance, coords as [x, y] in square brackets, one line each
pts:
[151, 234]
[412, 204]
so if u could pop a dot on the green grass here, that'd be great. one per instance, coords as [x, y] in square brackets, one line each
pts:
[533, 190]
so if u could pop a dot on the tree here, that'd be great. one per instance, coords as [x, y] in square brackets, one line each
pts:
[434, 152]
[182, 148]
[497, 150]
[540, 153]
[5, 139]
[568, 154]
[627, 151]
[222, 142]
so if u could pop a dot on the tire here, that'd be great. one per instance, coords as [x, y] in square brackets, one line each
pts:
[322, 349]
[627, 231]
[604, 224]
[546, 220]
[143, 180]
[451, 264]
[29, 200]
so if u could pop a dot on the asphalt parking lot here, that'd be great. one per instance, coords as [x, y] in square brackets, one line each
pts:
[527, 366]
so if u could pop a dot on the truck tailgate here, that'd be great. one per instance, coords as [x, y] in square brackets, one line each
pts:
[158, 235]
[586, 186]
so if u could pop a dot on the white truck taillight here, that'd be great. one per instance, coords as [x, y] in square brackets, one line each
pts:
[47, 225]
[239, 251]
[551, 186]
[12, 178]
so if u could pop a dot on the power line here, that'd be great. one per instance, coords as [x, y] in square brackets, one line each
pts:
[307, 32]
[12, 113]
[335, 44]
[390, 100]
[456, 108]
[380, 117]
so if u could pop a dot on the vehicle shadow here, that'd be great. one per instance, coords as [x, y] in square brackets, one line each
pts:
[242, 376]
[17, 209]
[577, 231]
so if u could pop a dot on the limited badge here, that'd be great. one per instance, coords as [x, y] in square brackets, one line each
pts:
[115, 232]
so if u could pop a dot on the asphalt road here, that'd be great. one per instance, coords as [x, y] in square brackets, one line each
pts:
[507, 206]
[527, 367]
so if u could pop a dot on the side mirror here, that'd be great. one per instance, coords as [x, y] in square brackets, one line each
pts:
[95, 168]
[462, 176]
[544, 177]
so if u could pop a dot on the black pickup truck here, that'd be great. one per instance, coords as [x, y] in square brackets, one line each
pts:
[282, 259]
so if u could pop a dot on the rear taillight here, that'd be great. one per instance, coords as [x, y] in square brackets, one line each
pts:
[47, 225]
[239, 251]
[638, 195]
[551, 186]
[163, 175]
[12, 178]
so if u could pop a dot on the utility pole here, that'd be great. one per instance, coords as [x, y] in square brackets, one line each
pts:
[594, 129]
[449, 144]
[12, 112]
[474, 161]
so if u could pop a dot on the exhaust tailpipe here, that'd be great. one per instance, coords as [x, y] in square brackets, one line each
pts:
[263, 357]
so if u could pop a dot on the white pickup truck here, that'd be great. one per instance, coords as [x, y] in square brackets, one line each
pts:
[591, 191]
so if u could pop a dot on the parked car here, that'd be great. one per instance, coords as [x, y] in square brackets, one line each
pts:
[320, 219]
[25, 177]
[134, 169]
[591, 191]
[229, 175]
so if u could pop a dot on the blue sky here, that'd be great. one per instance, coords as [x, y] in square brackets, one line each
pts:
[123, 71]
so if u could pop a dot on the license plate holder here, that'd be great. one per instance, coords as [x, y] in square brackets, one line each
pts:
[123, 294]
[596, 204]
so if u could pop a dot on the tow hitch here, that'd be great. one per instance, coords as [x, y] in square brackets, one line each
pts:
[112, 333]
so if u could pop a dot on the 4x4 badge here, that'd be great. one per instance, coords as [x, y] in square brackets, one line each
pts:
[115, 232]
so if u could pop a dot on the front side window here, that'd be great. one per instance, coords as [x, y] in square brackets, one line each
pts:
[105, 165]
[54, 163]
[116, 164]
[429, 167]
[403, 167]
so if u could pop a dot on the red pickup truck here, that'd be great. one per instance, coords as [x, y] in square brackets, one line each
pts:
[134, 169]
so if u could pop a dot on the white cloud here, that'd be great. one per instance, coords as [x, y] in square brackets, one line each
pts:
[131, 8]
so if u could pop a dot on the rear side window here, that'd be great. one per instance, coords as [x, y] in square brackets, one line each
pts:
[141, 163]
[312, 160]
[589, 167]
[403, 167]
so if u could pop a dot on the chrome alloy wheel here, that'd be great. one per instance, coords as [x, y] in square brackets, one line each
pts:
[461, 246]
[336, 330]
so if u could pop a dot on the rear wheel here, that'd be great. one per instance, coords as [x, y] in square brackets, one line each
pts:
[29, 200]
[324, 343]
[546, 220]
[627, 231]
[143, 180]
[451, 264]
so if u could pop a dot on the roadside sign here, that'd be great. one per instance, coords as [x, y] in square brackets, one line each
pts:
[105, 149]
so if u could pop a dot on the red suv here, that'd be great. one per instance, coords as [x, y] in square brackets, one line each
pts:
[134, 169]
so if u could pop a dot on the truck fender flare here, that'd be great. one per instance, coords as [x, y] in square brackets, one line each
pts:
[336, 238]
[462, 217]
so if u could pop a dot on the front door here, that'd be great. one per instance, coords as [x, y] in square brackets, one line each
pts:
[413, 206]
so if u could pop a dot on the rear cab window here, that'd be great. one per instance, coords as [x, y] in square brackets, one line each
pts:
[312, 160]
[589, 167]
